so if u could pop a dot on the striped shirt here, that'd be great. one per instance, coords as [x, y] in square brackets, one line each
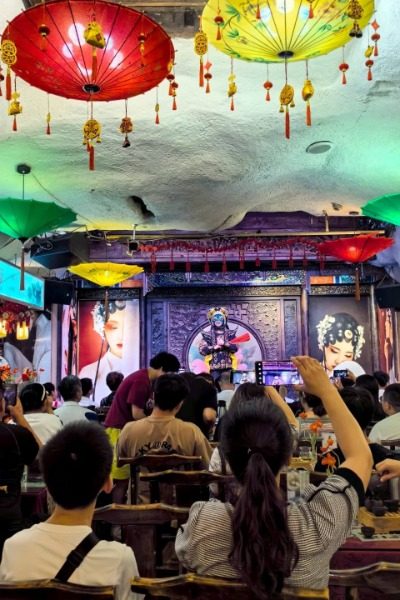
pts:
[319, 525]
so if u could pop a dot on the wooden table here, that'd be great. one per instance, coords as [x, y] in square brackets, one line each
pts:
[356, 553]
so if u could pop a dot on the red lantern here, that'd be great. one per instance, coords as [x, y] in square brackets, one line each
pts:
[355, 250]
[136, 57]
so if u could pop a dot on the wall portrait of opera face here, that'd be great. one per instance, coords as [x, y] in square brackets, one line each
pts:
[339, 333]
[111, 345]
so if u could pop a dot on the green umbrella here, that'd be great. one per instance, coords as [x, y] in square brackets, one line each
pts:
[24, 219]
[385, 208]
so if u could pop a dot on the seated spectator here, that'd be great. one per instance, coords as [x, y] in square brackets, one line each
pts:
[52, 393]
[383, 380]
[87, 392]
[361, 405]
[368, 382]
[260, 539]
[227, 388]
[200, 405]
[113, 381]
[38, 412]
[70, 389]
[312, 407]
[76, 466]
[18, 447]
[388, 428]
[162, 432]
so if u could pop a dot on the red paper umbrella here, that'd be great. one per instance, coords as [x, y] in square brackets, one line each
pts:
[355, 250]
[89, 49]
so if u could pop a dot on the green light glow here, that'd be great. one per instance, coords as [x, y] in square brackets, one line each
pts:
[385, 208]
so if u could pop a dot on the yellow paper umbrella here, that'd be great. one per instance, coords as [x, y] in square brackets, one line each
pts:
[105, 274]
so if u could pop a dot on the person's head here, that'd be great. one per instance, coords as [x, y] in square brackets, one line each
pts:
[340, 338]
[209, 379]
[70, 388]
[50, 389]
[76, 464]
[33, 397]
[248, 391]
[218, 317]
[257, 442]
[169, 392]
[311, 402]
[113, 329]
[391, 399]
[382, 378]
[87, 386]
[163, 362]
[368, 382]
[360, 403]
[224, 380]
[114, 380]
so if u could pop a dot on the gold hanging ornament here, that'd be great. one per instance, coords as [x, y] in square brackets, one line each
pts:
[355, 12]
[126, 127]
[286, 99]
[201, 48]
[157, 109]
[91, 133]
[15, 108]
[232, 87]
[8, 57]
[94, 36]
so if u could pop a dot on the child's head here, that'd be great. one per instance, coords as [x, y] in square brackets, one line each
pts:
[87, 386]
[114, 380]
[76, 464]
[33, 397]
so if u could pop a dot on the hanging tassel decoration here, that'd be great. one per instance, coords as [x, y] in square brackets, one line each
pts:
[257, 262]
[201, 48]
[153, 262]
[94, 64]
[310, 10]
[321, 262]
[8, 57]
[94, 36]
[48, 119]
[241, 259]
[258, 12]
[343, 67]
[91, 157]
[91, 133]
[187, 265]
[208, 76]
[274, 261]
[287, 99]
[15, 107]
[307, 93]
[8, 84]
[157, 109]
[175, 86]
[357, 284]
[375, 38]
[219, 21]
[305, 261]
[171, 261]
[268, 86]
[206, 264]
[232, 87]
[224, 267]
[369, 64]
[170, 78]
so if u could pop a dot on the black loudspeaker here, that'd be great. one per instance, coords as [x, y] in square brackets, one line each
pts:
[58, 252]
[388, 296]
[58, 292]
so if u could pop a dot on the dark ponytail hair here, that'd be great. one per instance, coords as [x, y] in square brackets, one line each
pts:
[257, 443]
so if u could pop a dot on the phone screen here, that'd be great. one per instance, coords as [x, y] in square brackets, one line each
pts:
[10, 394]
[277, 373]
[340, 373]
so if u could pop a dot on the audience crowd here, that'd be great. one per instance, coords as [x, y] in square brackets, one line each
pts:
[254, 534]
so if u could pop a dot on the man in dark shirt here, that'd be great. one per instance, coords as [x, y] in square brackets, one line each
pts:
[18, 447]
[131, 403]
[200, 407]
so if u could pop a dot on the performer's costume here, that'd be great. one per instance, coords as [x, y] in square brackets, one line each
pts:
[216, 344]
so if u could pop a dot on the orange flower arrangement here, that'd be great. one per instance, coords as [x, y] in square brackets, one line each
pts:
[7, 374]
[330, 461]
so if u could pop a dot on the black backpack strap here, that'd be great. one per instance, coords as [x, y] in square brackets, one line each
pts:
[76, 556]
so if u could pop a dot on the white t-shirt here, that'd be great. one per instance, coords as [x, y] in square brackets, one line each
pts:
[44, 425]
[40, 552]
[226, 396]
[387, 429]
[71, 411]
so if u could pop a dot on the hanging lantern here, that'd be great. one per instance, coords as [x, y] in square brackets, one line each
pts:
[268, 86]
[9, 57]
[369, 64]
[356, 250]
[375, 37]
[22, 331]
[15, 108]
[3, 328]
[170, 78]
[43, 31]
[126, 127]
[287, 99]
[201, 48]
[355, 12]
[208, 76]
[91, 133]
[307, 93]
[344, 67]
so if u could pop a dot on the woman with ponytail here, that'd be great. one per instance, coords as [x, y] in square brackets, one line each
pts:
[259, 539]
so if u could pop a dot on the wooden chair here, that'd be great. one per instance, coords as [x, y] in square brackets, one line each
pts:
[190, 587]
[48, 589]
[184, 481]
[141, 526]
[156, 462]
[383, 577]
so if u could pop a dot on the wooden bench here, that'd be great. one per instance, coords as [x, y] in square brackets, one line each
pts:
[48, 589]
[384, 577]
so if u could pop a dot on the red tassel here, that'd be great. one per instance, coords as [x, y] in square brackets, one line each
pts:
[257, 261]
[174, 107]
[218, 33]
[201, 73]
[94, 64]
[369, 75]
[344, 79]
[187, 266]
[206, 266]
[48, 130]
[321, 262]
[157, 119]
[22, 274]
[274, 262]
[268, 97]
[171, 262]
[287, 124]
[232, 104]
[91, 158]
[258, 13]
[241, 260]
[376, 52]
[208, 89]
[14, 127]
[1, 93]
[153, 263]
[8, 84]
[224, 265]
[308, 115]
[311, 12]
[291, 262]
[305, 261]
[170, 90]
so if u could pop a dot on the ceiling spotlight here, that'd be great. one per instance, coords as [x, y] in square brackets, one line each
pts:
[336, 206]
[319, 147]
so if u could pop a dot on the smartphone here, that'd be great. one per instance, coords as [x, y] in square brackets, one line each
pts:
[10, 394]
[340, 372]
[277, 373]
[239, 377]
